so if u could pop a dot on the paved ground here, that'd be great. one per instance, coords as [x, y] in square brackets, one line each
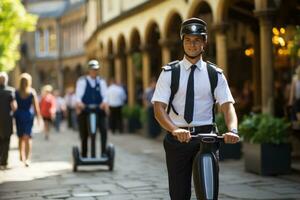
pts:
[139, 174]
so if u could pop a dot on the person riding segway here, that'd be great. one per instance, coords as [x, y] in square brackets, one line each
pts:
[91, 108]
[184, 101]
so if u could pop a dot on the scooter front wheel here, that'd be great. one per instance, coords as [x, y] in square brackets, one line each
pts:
[206, 176]
[111, 156]
[75, 152]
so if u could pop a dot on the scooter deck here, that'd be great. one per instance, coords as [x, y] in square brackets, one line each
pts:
[93, 161]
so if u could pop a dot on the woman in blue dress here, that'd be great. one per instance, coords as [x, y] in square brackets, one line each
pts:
[26, 99]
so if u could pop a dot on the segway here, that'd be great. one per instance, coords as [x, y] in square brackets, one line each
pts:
[206, 167]
[108, 160]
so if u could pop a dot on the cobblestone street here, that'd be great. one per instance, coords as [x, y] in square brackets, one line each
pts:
[140, 173]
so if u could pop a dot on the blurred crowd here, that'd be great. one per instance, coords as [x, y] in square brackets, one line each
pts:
[50, 107]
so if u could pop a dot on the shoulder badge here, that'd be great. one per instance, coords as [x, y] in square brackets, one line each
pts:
[167, 68]
[170, 65]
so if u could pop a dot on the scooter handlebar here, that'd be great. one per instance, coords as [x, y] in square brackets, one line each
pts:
[207, 137]
[92, 107]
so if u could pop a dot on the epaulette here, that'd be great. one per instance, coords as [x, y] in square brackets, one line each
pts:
[170, 65]
[82, 77]
[218, 69]
[167, 68]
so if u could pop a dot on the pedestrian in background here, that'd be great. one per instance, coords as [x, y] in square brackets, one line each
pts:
[7, 106]
[26, 99]
[91, 90]
[48, 108]
[60, 110]
[294, 99]
[116, 98]
[154, 128]
[70, 100]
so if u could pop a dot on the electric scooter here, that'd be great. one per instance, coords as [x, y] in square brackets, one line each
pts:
[93, 160]
[206, 167]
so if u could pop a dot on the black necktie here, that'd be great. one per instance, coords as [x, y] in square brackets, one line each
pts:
[189, 99]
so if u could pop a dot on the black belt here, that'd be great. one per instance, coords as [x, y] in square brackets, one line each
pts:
[199, 129]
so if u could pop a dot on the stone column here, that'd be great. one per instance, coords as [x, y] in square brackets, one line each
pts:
[165, 51]
[146, 66]
[221, 46]
[130, 79]
[118, 70]
[256, 71]
[103, 59]
[266, 62]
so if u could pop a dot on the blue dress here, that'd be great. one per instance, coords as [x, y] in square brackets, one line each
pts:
[24, 115]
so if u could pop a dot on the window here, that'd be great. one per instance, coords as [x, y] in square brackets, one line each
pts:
[52, 40]
[40, 41]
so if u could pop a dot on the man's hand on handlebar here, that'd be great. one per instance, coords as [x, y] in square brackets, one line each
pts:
[79, 107]
[105, 107]
[182, 135]
[231, 138]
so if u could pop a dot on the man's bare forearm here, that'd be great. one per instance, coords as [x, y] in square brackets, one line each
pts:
[230, 116]
[162, 117]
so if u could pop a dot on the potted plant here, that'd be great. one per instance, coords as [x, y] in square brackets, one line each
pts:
[227, 151]
[133, 116]
[266, 147]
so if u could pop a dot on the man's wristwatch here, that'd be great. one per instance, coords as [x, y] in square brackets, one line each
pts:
[234, 130]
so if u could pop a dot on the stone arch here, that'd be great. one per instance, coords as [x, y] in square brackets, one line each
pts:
[200, 7]
[135, 40]
[203, 10]
[152, 44]
[221, 14]
[137, 64]
[172, 35]
[101, 48]
[110, 58]
[121, 52]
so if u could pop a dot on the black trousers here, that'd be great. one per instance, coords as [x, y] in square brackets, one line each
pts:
[4, 148]
[116, 119]
[179, 158]
[83, 118]
[69, 117]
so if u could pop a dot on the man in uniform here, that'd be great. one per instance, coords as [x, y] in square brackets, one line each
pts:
[91, 90]
[190, 110]
[7, 106]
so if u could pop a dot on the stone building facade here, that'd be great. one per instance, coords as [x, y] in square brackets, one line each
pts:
[54, 54]
[134, 38]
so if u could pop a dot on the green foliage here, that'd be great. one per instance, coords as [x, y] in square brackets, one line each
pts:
[132, 112]
[13, 20]
[263, 128]
[294, 48]
[137, 61]
[220, 121]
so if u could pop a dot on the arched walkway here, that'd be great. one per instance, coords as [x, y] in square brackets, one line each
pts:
[152, 41]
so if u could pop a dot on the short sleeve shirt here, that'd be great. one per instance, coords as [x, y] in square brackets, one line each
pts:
[203, 102]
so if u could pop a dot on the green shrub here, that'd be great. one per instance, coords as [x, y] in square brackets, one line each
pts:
[263, 128]
[132, 111]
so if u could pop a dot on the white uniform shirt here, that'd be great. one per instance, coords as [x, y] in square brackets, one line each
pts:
[81, 85]
[60, 104]
[70, 100]
[203, 101]
[116, 95]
